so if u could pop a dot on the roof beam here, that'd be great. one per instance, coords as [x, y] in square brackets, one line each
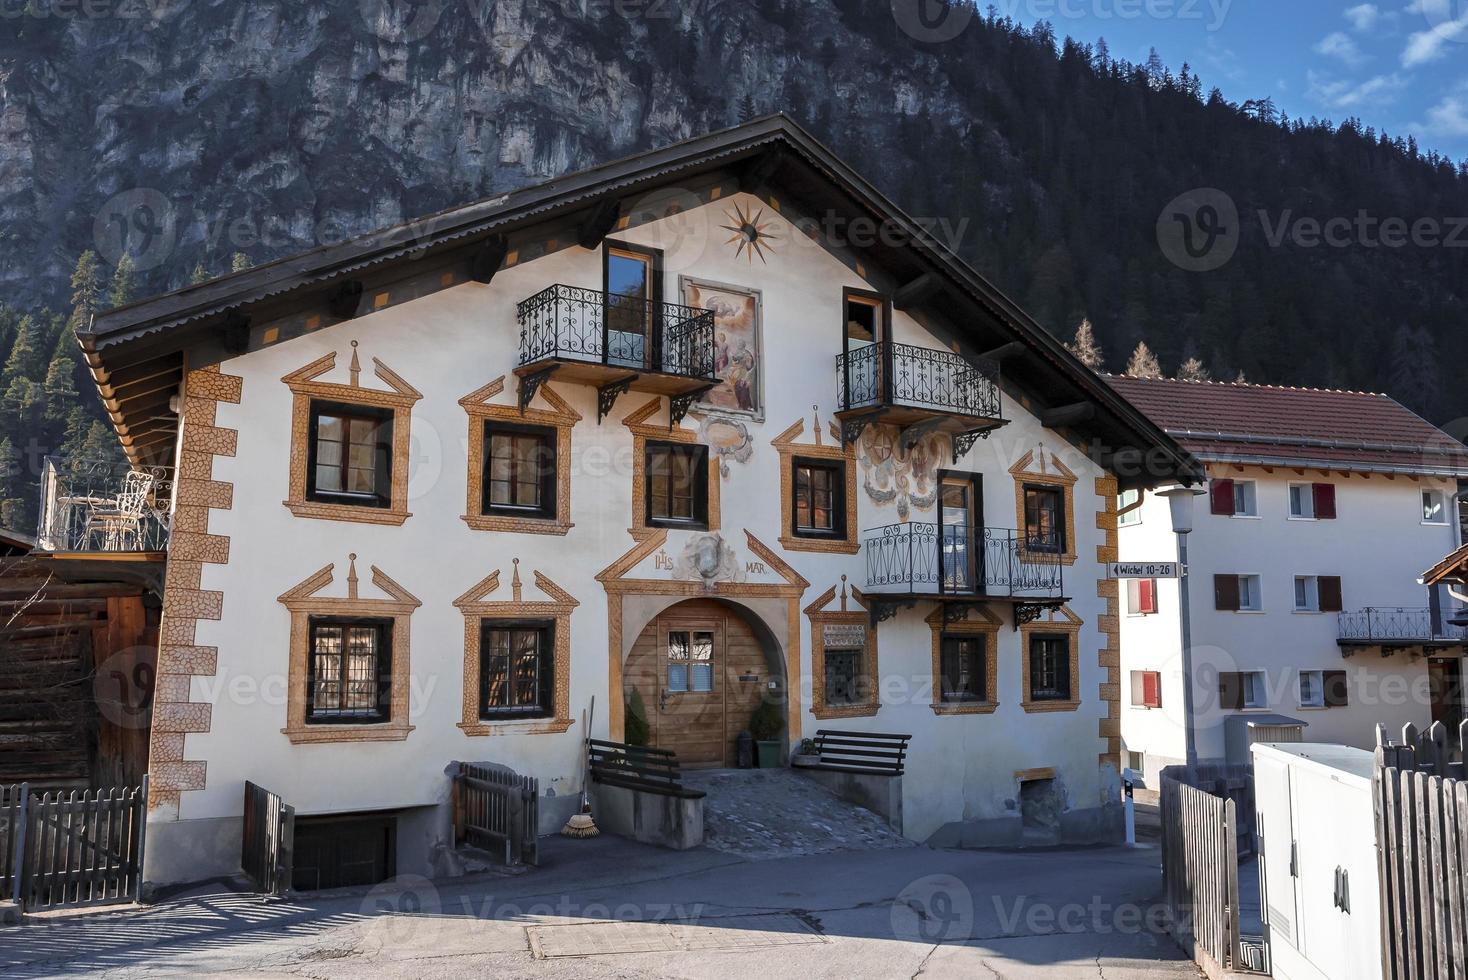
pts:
[598, 223]
[1053, 418]
[1004, 352]
[488, 259]
[917, 292]
[342, 302]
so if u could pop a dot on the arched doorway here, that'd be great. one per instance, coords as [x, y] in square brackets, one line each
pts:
[701, 667]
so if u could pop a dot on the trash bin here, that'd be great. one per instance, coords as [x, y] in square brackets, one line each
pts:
[745, 750]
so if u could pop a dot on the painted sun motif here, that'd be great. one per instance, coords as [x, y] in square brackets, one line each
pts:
[750, 234]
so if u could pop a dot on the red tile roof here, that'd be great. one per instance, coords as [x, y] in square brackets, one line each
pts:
[1271, 425]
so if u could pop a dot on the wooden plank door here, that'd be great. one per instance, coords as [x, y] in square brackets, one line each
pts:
[692, 684]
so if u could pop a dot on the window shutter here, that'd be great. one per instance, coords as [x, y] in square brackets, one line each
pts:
[1223, 497]
[1226, 593]
[1152, 689]
[1334, 683]
[1230, 690]
[1147, 595]
[1330, 593]
[1324, 501]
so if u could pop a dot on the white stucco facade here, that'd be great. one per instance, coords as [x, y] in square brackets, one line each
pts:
[963, 771]
[1378, 545]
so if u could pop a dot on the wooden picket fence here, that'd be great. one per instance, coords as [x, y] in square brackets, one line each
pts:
[499, 811]
[1200, 869]
[268, 840]
[69, 849]
[1421, 806]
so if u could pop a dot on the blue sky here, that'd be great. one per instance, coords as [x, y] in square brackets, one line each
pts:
[1401, 65]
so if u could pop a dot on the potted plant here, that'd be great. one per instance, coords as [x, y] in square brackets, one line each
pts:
[765, 725]
[807, 755]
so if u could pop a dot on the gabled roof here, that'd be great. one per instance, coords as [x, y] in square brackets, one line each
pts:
[135, 351]
[1453, 568]
[1271, 425]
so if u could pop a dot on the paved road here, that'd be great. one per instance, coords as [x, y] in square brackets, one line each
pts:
[608, 908]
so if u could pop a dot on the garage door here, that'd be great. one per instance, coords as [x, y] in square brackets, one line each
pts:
[342, 852]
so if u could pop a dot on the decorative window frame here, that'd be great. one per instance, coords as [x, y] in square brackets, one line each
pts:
[848, 543]
[305, 388]
[1060, 621]
[642, 432]
[556, 608]
[1041, 466]
[985, 624]
[304, 604]
[560, 416]
[820, 618]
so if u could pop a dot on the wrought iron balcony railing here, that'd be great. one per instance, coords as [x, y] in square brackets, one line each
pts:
[578, 324]
[889, 373]
[90, 505]
[919, 558]
[1398, 624]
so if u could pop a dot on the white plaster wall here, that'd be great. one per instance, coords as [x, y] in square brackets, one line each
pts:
[1378, 545]
[455, 341]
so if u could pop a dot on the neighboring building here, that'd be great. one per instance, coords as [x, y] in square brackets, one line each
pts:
[441, 487]
[1305, 557]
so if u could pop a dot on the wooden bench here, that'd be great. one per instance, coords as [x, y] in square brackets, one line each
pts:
[876, 753]
[638, 767]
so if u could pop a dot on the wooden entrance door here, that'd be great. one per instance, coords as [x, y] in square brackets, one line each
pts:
[701, 672]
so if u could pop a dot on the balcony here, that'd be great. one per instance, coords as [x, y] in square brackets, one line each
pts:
[919, 390]
[616, 343]
[104, 509]
[1394, 627]
[918, 560]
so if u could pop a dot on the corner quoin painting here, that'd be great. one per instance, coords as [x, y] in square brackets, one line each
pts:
[736, 344]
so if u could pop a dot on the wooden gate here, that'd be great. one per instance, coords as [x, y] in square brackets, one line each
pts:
[498, 810]
[1200, 869]
[73, 849]
[268, 839]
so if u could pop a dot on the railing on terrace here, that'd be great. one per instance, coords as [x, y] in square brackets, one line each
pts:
[919, 558]
[1398, 624]
[91, 505]
[579, 324]
[889, 373]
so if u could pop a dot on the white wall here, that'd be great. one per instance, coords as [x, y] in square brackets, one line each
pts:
[1378, 545]
[451, 343]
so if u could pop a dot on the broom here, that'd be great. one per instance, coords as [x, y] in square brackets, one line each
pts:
[581, 824]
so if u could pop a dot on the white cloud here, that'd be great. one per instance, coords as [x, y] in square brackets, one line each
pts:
[1448, 118]
[1344, 95]
[1444, 28]
[1340, 45]
[1364, 16]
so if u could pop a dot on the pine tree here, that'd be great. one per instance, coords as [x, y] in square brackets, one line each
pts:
[25, 354]
[60, 389]
[240, 262]
[1143, 363]
[200, 274]
[747, 108]
[1085, 348]
[1193, 370]
[86, 289]
[122, 281]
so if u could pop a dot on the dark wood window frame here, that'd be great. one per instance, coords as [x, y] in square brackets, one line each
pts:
[548, 454]
[952, 646]
[1060, 671]
[1031, 543]
[545, 668]
[837, 470]
[698, 456]
[652, 355]
[381, 496]
[381, 679]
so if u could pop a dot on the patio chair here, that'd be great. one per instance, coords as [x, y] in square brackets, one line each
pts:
[119, 522]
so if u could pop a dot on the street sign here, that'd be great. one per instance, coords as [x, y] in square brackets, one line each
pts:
[1142, 569]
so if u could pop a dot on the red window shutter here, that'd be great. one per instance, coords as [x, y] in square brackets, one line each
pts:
[1334, 683]
[1222, 496]
[1324, 501]
[1147, 595]
[1329, 587]
[1226, 593]
[1152, 689]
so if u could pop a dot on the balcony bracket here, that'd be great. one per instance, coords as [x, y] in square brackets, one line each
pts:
[1027, 612]
[531, 383]
[852, 428]
[914, 434]
[882, 609]
[957, 612]
[607, 395]
[678, 405]
[964, 441]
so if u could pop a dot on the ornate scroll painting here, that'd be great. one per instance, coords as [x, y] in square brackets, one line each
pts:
[736, 345]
